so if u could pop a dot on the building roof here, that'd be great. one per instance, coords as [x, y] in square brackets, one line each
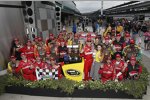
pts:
[68, 7]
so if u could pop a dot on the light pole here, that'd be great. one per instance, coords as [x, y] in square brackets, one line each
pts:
[101, 8]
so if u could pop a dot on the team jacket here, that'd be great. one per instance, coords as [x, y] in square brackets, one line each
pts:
[132, 70]
[24, 67]
[88, 49]
[107, 72]
[119, 66]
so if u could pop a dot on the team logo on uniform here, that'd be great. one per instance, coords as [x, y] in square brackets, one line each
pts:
[73, 72]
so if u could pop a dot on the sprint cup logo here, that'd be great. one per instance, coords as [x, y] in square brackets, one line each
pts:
[73, 72]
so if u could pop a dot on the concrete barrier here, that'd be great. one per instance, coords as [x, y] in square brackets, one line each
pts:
[3, 72]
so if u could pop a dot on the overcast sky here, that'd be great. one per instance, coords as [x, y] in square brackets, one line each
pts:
[88, 6]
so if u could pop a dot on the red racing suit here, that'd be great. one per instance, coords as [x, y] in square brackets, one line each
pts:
[88, 60]
[29, 51]
[40, 64]
[119, 66]
[107, 72]
[27, 72]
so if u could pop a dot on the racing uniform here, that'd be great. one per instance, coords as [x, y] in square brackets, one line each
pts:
[88, 60]
[25, 68]
[119, 67]
[107, 72]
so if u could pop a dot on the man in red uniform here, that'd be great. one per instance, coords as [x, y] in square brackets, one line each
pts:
[39, 63]
[28, 50]
[127, 40]
[107, 70]
[26, 68]
[56, 66]
[35, 41]
[88, 59]
[133, 69]
[47, 59]
[119, 66]
[50, 39]
[113, 32]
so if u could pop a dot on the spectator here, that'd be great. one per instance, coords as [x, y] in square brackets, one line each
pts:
[74, 28]
[146, 39]
[135, 32]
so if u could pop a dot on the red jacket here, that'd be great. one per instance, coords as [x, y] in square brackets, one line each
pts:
[40, 64]
[29, 51]
[24, 67]
[107, 72]
[87, 49]
[118, 65]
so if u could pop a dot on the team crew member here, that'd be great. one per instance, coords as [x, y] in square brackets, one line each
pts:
[107, 70]
[12, 65]
[28, 50]
[26, 68]
[62, 50]
[126, 40]
[119, 28]
[108, 48]
[132, 50]
[39, 63]
[119, 66]
[88, 59]
[70, 40]
[56, 66]
[76, 38]
[40, 49]
[47, 59]
[118, 45]
[133, 69]
[35, 41]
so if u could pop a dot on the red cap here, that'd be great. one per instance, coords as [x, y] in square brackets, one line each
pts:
[61, 33]
[127, 35]
[118, 35]
[59, 36]
[36, 38]
[96, 37]
[29, 41]
[23, 54]
[88, 35]
[38, 57]
[106, 38]
[113, 31]
[118, 56]
[52, 37]
[52, 59]
[12, 57]
[133, 58]
[16, 39]
[88, 39]
[48, 53]
[62, 40]
[39, 39]
[109, 58]
[51, 34]
[132, 41]
[76, 35]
